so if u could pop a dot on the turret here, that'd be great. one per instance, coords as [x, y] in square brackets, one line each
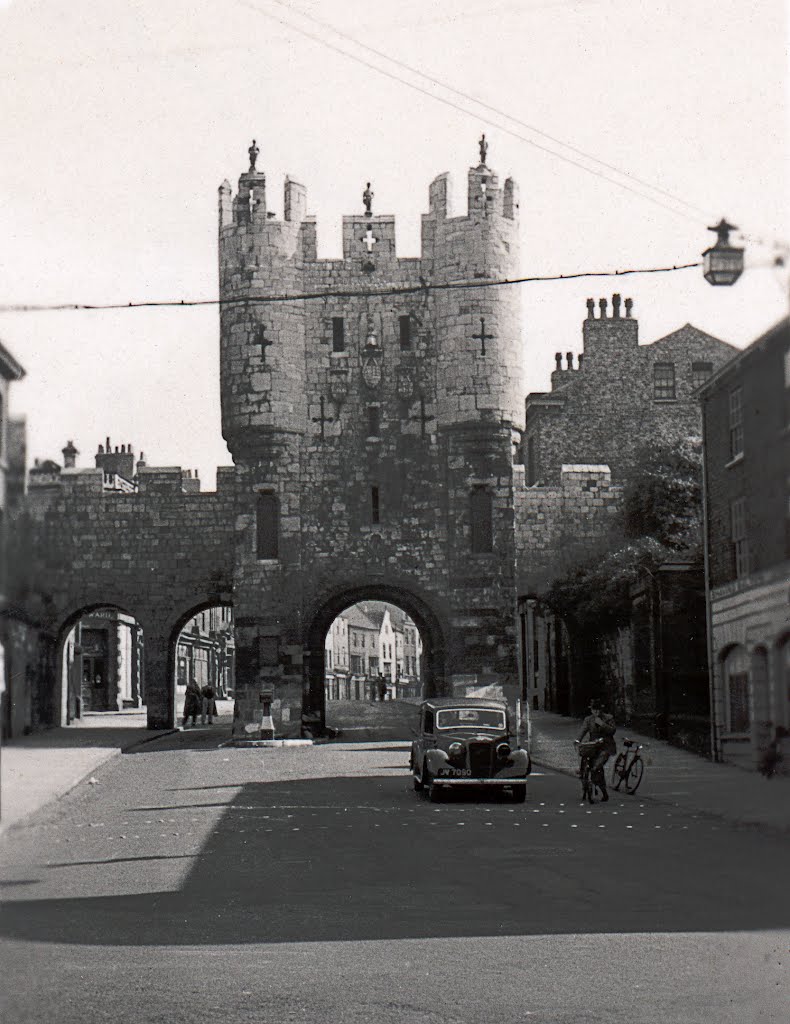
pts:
[262, 345]
[480, 370]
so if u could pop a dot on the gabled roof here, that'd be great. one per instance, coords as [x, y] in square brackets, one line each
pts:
[359, 619]
[684, 333]
[770, 337]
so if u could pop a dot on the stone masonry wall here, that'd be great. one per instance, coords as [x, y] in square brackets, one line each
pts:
[158, 554]
[605, 409]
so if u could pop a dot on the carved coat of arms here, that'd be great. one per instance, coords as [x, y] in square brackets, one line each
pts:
[371, 366]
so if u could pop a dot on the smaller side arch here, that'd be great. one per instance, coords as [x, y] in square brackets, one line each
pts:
[67, 696]
[179, 622]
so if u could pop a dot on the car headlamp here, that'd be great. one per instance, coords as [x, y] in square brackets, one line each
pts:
[455, 750]
[503, 750]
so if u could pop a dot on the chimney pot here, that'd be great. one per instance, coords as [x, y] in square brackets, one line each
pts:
[591, 309]
[628, 306]
[558, 359]
[602, 304]
[108, 446]
[616, 306]
[581, 357]
[569, 357]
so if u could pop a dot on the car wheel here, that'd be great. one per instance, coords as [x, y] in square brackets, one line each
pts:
[519, 793]
[416, 781]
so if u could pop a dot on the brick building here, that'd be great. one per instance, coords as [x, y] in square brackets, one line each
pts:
[373, 432]
[746, 411]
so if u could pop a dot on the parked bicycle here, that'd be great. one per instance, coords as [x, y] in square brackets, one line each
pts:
[628, 767]
[587, 753]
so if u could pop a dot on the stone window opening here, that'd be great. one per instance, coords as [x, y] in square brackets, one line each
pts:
[482, 520]
[404, 327]
[338, 334]
[375, 504]
[267, 516]
[736, 422]
[700, 373]
[664, 381]
[374, 420]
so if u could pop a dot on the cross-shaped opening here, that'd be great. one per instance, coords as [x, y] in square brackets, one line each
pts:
[369, 241]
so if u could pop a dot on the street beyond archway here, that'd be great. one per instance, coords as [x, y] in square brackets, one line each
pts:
[192, 883]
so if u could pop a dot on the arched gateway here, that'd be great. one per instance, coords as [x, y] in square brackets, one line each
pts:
[372, 430]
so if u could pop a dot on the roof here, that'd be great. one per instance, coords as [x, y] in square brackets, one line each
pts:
[465, 702]
[682, 334]
[772, 335]
[359, 619]
[9, 367]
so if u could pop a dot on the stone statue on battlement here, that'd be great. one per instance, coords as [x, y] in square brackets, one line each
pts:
[367, 199]
[253, 151]
[483, 148]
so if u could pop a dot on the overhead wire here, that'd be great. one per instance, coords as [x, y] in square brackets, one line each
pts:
[424, 288]
[487, 106]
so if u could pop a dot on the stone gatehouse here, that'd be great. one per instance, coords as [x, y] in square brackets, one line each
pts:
[374, 423]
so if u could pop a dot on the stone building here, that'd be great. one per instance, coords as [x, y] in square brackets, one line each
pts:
[581, 445]
[605, 404]
[373, 430]
[746, 410]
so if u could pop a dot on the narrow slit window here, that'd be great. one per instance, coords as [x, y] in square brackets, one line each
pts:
[373, 421]
[338, 334]
[267, 526]
[405, 332]
[375, 505]
[482, 515]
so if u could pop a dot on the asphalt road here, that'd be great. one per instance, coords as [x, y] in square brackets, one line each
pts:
[192, 883]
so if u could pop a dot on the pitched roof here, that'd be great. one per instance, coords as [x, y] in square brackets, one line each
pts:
[9, 367]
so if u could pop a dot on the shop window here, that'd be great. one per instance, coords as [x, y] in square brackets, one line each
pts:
[736, 680]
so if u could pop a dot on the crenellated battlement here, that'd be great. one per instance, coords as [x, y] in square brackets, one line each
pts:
[251, 232]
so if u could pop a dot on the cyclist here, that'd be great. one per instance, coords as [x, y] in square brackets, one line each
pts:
[599, 725]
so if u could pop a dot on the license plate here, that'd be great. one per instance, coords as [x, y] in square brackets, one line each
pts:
[458, 772]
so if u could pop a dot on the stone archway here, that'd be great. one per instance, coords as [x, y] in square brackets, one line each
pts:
[432, 633]
[207, 640]
[82, 661]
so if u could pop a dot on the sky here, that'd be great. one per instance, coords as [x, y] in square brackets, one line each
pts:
[630, 127]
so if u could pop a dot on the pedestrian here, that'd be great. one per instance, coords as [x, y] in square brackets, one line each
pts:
[382, 688]
[193, 702]
[209, 706]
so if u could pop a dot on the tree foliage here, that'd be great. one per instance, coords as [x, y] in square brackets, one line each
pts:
[661, 518]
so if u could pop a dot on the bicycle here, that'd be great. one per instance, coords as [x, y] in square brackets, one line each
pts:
[587, 752]
[629, 767]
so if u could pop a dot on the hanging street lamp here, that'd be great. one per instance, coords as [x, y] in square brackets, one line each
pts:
[722, 263]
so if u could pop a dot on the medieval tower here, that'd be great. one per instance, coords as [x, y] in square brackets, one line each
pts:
[373, 423]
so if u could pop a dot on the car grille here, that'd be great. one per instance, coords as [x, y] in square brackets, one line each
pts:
[480, 755]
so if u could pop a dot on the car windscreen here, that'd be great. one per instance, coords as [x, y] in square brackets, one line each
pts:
[470, 718]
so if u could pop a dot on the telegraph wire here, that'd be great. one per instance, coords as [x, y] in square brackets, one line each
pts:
[464, 110]
[424, 288]
[487, 106]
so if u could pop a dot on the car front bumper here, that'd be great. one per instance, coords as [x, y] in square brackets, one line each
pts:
[447, 780]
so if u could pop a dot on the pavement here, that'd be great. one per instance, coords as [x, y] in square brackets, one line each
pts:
[674, 776]
[38, 769]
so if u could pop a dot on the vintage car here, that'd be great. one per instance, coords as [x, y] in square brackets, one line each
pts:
[468, 741]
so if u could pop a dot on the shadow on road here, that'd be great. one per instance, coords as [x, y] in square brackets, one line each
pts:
[361, 857]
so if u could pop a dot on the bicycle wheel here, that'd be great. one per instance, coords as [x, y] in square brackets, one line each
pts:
[586, 783]
[618, 770]
[634, 776]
